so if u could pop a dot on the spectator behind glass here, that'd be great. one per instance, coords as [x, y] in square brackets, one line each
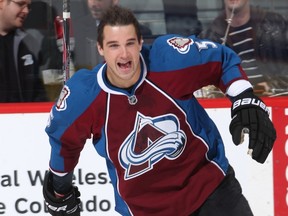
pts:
[86, 53]
[19, 71]
[259, 38]
[40, 24]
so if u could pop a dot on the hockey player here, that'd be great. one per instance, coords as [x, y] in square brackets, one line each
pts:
[164, 154]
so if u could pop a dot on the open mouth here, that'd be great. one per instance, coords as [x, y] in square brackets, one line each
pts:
[125, 66]
[21, 19]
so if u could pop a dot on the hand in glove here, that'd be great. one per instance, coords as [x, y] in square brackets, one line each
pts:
[68, 205]
[250, 115]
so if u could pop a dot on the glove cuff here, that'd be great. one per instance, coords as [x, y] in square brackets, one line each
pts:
[247, 100]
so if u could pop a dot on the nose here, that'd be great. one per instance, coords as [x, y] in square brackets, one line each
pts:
[26, 9]
[124, 52]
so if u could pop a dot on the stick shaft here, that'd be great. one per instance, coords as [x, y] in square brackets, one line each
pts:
[66, 39]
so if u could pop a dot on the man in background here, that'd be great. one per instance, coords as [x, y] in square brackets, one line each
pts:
[259, 37]
[19, 70]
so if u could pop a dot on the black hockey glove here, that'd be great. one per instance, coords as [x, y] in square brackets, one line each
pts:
[250, 115]
[69, 205]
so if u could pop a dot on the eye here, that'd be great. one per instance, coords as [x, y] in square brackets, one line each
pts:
[22, 4]
[131, 43]
[113, 45]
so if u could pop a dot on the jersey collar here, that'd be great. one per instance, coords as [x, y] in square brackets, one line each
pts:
[101, 77]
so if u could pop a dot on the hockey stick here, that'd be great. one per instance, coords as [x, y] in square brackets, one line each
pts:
[229, 21]
[66, 40]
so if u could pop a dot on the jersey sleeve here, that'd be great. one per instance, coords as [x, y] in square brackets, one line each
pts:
[202, 62]
[71, 121]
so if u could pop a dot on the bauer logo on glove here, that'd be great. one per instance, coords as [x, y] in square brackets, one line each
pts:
[250, 115]
[250, 101]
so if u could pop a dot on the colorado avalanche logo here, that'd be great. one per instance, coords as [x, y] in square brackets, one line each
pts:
[182, 45]
[61, 104]
[152, 140]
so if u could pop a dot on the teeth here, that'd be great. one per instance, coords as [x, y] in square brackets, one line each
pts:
[124, 65]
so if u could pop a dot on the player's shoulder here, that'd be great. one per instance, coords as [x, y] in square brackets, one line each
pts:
[84, 77]
[178, 43]
[84, 82]
[90, 75]
[79, 91]
[172, 40]
[173, 52]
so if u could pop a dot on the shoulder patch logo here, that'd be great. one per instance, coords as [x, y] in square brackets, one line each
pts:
[61, 104]
[182, 45]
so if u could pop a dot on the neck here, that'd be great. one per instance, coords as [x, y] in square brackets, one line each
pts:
[4, 30]
[3, 33]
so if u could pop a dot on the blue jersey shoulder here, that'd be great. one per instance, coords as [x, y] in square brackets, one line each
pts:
[174, 52]
[77, 95]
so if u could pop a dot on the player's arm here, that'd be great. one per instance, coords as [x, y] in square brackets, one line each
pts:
[250, 115]
[61, 197]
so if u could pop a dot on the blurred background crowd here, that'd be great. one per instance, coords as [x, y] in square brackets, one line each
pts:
[257, 30]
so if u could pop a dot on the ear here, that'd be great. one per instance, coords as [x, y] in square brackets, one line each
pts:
[141, 44]
[100, 49]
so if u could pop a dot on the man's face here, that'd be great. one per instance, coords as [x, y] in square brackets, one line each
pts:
[238, 4]
[98, 7]
[14, 13]
[121, 50]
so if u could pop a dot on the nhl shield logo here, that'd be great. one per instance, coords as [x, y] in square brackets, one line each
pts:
[182, 45]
